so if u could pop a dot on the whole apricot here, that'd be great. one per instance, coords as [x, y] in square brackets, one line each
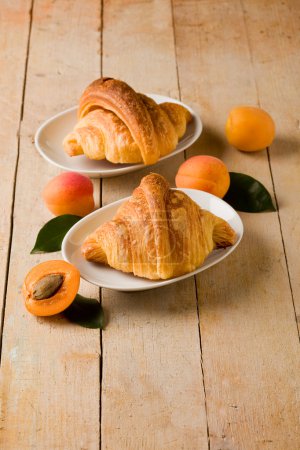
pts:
[249, 128]
[205, 173]
[50, 287]
[69, 193]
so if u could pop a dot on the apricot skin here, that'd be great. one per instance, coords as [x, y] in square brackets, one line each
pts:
[205, 173]
[69, 193]
[249, 128]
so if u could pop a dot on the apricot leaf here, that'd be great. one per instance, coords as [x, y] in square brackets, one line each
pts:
[86, 312]
[247, 194]
[51, 235]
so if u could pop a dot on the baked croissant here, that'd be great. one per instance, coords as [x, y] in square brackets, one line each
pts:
[158, 233]
[118, 124]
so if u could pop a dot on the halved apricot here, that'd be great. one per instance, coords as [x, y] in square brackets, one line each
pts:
[50, 287]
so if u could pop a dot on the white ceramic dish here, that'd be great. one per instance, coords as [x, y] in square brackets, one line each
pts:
[49, 137]
[113, 279]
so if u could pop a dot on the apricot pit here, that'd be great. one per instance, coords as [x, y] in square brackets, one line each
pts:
[47, 286]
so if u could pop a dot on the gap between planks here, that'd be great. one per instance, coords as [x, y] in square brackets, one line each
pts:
[11, 231]
[270, 166]
[214, 424]
[71, 359]
[100, 205]
[283, 243]
[194, 277]
[168, 81]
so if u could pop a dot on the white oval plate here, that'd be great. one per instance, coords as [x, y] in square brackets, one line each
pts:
[49, 137]
[107, 277]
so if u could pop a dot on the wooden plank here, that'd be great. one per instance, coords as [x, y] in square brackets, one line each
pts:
[249, 336]
[274, 43]
[50, 373]
[14, 30]
[152, 383]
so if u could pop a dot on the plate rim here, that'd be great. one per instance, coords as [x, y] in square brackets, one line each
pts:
[156, 283]
[121, 171]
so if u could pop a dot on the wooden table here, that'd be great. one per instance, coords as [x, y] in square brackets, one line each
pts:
[211, 362]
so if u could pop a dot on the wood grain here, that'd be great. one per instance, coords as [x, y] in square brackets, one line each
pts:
[274, 46]
[50, 368]
[14, 33]
[156, 387]
[152, 394]
[249, 336]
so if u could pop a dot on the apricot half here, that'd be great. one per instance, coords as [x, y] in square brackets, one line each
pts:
[69, 193]
[249, 128]
[50, 287]
[205, 173]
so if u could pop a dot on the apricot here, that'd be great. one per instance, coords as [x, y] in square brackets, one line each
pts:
[69, 193]
[249, 128]
[205, 173]
[50, 287]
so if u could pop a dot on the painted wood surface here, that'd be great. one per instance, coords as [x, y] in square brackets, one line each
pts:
[274, 46]
[244, 345]
[208, 363]
[15, 23]
[50, 369]
[152, 378]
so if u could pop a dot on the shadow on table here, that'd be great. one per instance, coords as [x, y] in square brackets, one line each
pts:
[168, 301]
[211, 142]
[241, 278]
[284, 147]
[246, 277]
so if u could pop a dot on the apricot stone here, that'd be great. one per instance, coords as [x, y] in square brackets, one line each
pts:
[69, 193]
[205, 173]
[249, 128]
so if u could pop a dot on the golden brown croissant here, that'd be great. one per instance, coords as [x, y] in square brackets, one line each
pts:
[158, 233]
[118, 124]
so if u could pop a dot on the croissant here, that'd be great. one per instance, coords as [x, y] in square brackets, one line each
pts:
[159, 233]
[118, 124]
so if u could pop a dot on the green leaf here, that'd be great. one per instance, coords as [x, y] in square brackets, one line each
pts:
[86, 312]
[52, 233]
[247, 194]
